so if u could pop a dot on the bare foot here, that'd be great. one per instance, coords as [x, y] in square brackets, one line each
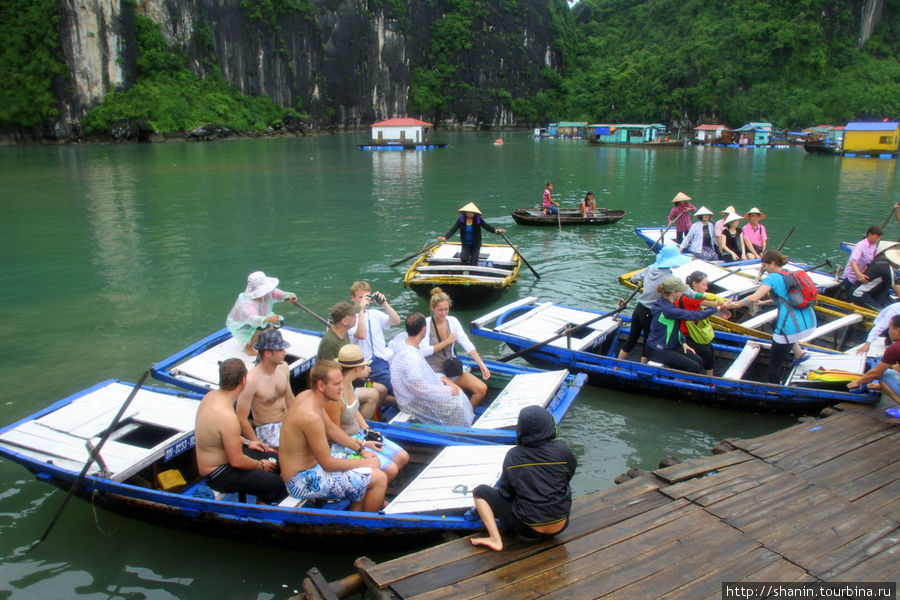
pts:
[489, 542]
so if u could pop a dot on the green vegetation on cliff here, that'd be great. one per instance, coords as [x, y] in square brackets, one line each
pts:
[30, 60]
[171, 98]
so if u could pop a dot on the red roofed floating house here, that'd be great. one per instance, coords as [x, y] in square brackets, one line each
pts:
[712, 134]
[400, 134]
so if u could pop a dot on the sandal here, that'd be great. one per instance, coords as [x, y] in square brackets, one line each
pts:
[893, 412]
[801, 359]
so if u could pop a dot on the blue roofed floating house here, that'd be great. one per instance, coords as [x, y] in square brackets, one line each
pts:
[759, 135]
[625, 134]
[879, 139]
[401, 134]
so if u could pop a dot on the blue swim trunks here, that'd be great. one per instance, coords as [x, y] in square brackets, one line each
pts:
[385, 456]
[316, 482]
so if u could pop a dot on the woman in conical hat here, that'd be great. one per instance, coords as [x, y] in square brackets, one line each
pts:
[680, 215]
[701, 237]
[469, 225]
[754, 233]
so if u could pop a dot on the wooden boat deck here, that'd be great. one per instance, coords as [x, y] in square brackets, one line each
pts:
[548, 320]
[203, 369]
[816, 502]
[62, 436]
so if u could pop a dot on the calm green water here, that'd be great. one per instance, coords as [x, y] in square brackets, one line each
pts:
[117, 256]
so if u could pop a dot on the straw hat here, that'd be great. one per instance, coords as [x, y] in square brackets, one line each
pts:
[351, 355]
[702, 211]
[470, 207]
[670, 256]
[755, 211]
[680, 197]
[258, 285]
[728, 211]
[732, 217]
[893, 254]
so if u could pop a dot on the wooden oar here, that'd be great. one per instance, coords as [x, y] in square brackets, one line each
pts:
[422, 251]
[95, 451]
[570, 330]
[300, 306]
[558, 218]
[893, 210]
[516, 250]
[780, 246]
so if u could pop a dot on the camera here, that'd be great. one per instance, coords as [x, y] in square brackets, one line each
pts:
[373, 436]
[378, 297]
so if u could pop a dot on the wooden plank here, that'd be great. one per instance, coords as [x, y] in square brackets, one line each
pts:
[760, 319]
[725, 484]
[455, 467]
[740, 568]
[822, 448]
[881, 567]
[542, 573]
[700, 466]
[759, 496]
[833, 326]
[855, 363]
[767, 446]
[743, 361]
[444, 564]
[698, 553]
[839, 469]
[525, 389]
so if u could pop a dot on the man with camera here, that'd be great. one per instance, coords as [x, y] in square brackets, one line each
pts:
[369, 335]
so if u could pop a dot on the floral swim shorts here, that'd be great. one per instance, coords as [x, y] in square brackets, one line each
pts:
[316, 482]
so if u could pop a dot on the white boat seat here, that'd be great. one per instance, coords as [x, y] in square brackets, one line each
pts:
[743, 360]
[761, 319]
[447, 482]
[833, 326]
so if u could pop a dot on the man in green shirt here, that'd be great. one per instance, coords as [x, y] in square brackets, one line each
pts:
[343, 319]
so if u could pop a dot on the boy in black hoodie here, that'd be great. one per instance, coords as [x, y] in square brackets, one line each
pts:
[534, 497]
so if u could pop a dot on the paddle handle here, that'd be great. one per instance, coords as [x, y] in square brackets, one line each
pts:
[519, 254]
[422, 251]
[92, 455]
[320, 319]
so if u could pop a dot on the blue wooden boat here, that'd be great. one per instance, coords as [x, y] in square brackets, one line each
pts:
[737, 382]
[510, 387]
[153, 445]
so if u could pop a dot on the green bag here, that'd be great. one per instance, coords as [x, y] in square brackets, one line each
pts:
[700, 331]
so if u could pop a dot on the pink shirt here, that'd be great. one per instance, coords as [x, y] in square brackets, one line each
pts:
[863, 253]
[547, 197]
[754, 236]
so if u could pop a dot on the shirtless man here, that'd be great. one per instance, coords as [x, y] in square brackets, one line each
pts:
[268, 391]
[221, 459]
[307, 466]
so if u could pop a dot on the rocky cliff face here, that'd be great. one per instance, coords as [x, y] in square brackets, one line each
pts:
[345, 62]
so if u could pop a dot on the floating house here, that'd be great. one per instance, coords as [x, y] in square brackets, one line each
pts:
[630, 134]
[711, 134]
[567, 129]
[755, 134]
[880, 139]
[400, 134]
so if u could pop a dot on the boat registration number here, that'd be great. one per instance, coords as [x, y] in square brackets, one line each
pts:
[178, 448]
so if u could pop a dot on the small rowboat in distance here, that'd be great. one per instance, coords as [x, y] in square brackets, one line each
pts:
[470, 286]
[536, 216]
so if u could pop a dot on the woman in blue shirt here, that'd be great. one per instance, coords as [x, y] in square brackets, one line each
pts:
[469, 225]
[792, 324]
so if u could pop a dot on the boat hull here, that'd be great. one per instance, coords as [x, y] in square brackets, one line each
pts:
[604, 369]
[532, 216]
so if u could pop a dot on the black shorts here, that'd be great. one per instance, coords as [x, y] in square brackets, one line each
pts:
[502, 510]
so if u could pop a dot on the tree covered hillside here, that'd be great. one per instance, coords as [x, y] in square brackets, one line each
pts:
[790, 62]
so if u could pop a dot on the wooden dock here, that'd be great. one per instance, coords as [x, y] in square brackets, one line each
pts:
[817, 502]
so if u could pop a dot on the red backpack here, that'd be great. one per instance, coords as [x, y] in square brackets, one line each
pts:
[801, 291]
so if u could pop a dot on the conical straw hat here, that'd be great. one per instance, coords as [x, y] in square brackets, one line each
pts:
[470, 207]
[681, 197]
